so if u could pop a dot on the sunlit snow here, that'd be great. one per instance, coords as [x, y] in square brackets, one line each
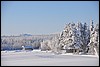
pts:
[46, 58]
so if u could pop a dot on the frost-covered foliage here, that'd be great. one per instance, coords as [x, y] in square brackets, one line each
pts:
[81, 37]
[94, 39]
[75, 36]
[16, 42]
[45, 45]
[51, 44]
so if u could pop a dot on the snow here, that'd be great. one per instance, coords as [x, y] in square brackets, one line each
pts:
[45, 58]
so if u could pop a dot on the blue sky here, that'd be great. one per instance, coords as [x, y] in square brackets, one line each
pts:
[45, 17]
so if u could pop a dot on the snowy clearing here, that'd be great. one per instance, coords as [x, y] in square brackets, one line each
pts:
[43, 58]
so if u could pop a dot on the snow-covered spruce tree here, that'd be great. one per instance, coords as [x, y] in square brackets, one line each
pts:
[94, 39]
[85, 37]
[91, 46]
[78, 36]
[97, 38]
[70, 37]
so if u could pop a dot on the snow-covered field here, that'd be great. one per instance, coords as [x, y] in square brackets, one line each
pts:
[43, 58]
